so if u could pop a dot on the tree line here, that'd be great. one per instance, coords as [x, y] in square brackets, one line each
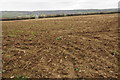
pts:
[51, 16]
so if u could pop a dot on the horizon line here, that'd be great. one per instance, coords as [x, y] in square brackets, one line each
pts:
[62, 9]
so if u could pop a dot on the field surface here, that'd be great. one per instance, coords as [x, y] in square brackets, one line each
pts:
[66, 47]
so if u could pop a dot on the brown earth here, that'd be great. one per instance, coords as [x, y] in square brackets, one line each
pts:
[66, 47]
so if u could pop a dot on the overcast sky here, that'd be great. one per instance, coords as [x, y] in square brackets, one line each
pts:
[33, 5]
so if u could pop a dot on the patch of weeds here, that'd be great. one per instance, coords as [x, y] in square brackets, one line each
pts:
[30, 39]
[24, 47]
[2, 71]
[15, 33]
[9, 56]
[59, 38]
[12, 35]
[1, 52]
[33, 33]
[19, 31]
[76, 69]
[18, 77]
[115, 52]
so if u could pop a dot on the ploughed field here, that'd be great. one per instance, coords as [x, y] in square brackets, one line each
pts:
[67, 47]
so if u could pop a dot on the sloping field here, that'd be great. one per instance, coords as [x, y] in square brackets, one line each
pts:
[68, 47]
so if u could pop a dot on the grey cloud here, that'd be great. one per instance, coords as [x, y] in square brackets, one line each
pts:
[56, 4]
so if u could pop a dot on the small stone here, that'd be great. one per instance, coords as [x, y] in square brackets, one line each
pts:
[12, 76]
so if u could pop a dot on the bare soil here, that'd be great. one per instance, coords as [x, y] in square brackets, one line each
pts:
[66, 47]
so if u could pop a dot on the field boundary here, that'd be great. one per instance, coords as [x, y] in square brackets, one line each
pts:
[54, 16]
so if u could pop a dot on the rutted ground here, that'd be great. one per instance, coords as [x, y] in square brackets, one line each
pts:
[72, 47]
